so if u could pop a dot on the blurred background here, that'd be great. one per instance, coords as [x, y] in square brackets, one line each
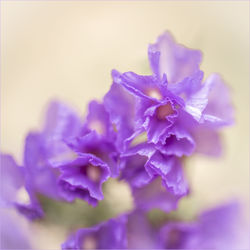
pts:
[66, 50]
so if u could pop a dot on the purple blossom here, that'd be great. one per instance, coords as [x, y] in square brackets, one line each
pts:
[141, 133]
[15, 191]
[95, 158]
[43, 148]
[218, 228]
[171, 111]
[128, 231]
[83, 178]
[107, 235]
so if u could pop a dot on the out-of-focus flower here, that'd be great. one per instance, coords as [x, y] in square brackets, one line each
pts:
[219, 228]
[15, 191]
[131, 231]
[107, 235]
[48, 146]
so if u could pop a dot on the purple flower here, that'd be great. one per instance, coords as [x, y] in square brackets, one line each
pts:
[15, 191]
[139, 232]
[107, 235]
[218, 228]
[171, 112]
[43, 148]
[36, 174]
[95, 158]
[141, 166]
[128, 231]
[83, 178]
[162, 192]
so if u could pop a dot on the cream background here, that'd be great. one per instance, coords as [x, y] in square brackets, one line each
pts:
[66, 50]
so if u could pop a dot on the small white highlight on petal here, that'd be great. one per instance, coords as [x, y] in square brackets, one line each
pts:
[22, 196]
[93, 173]
[97, 126]
[90, 242]
[154, 93]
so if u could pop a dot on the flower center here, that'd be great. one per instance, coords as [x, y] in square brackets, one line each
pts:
[164, 111]
[93, 173]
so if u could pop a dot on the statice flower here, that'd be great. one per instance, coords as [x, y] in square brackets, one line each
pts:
[129, 231]
[107, 235]
[95, 161]
[170, 114]
[217, 228]
[140, 133]
[16, 192]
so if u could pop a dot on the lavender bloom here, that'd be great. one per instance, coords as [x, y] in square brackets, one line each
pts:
[218, 228]
[95, 158]
[129, 231]
[107, 235]
[171, 111]
[36, 175]
[157, 181]
[83, 178]
[15, 192]
[41, 149]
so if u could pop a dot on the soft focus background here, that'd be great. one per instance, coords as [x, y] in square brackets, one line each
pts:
[66, 50]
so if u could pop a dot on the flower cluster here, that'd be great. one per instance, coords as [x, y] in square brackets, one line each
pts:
[140, 133]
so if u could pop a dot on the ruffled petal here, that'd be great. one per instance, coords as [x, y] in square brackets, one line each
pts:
[83, 177]
[219, 111]
[175, 60]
